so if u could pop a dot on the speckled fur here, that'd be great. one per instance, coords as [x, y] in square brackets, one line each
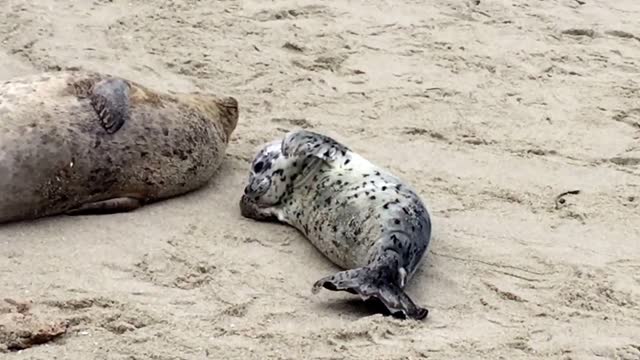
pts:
[354, 212]
[55, 156]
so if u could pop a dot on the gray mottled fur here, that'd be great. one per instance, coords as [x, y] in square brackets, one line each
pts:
[82, 142]
[361, 217]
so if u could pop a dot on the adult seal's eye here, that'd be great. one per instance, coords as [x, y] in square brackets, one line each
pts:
[258, 166]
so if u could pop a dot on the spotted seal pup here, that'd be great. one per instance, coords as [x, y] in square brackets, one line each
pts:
[80, 142]
[360, 216]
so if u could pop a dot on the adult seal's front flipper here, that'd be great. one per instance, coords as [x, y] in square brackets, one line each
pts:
[109, 206]
[110, 100]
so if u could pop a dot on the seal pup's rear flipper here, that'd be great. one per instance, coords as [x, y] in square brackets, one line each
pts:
[110, 206]
[110, 100]
[368, 283]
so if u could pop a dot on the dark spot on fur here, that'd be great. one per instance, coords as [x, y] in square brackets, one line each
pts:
[384, 188]
[397, 221]
[165, 131]
[347, 161]
[372, 198]
[365, 175]
[180, 154]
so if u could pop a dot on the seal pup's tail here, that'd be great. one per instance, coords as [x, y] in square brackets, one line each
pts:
[374, 282]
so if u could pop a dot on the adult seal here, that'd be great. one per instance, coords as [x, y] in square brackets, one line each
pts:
[361, 217]
[80, 142]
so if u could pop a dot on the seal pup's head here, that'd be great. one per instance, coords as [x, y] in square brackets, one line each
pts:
[271, 173]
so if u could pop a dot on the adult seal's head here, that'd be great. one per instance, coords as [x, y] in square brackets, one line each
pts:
[360, 216]
[223, 108]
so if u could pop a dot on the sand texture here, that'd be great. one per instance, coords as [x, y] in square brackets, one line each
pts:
[490, 111]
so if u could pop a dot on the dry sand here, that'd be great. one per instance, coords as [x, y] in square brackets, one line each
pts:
[489, 111]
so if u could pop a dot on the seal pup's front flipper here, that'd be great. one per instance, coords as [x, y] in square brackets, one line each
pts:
[110, 206]
[373, 283]
[110, 100]
[303, 143]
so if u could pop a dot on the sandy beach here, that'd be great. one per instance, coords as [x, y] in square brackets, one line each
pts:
[490, 110]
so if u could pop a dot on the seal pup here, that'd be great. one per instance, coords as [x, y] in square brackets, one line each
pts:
[360, 216]
[81, 142]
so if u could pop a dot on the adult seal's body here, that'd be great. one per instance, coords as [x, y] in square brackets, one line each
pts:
[82, 142]
[361, 217]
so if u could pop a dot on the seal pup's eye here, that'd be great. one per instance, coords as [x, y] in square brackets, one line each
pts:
[258, 166]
